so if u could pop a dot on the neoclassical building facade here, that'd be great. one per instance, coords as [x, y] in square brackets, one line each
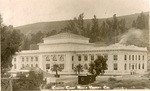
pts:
[69, 50]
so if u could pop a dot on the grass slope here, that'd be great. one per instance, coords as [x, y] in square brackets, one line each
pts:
[58, 25]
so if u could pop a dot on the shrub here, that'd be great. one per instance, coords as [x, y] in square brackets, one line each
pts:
[112, 79]
[49, 85]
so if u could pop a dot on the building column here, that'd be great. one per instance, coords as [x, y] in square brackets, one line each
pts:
[41, 62]
[68, 62]
[18, 62]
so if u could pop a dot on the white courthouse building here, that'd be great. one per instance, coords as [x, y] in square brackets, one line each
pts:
[68, 50]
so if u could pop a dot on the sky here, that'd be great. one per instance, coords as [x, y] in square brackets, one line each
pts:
[22, 12]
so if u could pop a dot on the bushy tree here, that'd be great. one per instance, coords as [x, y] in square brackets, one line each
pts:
[134, 24]
[26, 43]
[78, 68]
[37, 38]
[140, 22]
[10, 44]
[99, 66]
[76, 26]
[32, 81]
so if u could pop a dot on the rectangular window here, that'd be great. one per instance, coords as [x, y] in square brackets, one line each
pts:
[139, 57]
[22, 59]
[27, 59]
[133, 67]
[115, 66]
[31, 65]
[47, 66]
[129, 66]
[62, 66]
[143, 57]
[115, 57]
[36, 65]
[129, 57]
[125, 57]
[72, 58]
[136, 66]
[92, 57]
[85, 58]
[36, 58]
[31, 58]
[72, 66]
[22, 65]
[139, 66]
[136, 57]
[79, 58]
[132, 57]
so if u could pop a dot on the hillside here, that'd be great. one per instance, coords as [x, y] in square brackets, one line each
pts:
[58, 25]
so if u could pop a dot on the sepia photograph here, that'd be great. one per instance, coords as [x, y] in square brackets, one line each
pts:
[74, 45]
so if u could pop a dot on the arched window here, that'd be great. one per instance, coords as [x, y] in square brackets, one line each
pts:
[139, 66]
[54, 58]
[125, 67]
[61, 58]
[143, 66]
[47, 58]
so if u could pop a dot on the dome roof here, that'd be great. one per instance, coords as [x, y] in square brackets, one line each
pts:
[66, 35]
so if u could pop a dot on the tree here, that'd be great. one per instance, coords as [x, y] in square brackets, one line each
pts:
[94, 30]
[78, 68]
[1, 21]
[56, 68]
[134, 24]
[10, 44]
[31, 82]
[99, 66]
[25, 43]
[104, 32]
[140, 22]
[76, 26]
[37, 38]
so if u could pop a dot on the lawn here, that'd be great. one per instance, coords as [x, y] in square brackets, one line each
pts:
[118, 82]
